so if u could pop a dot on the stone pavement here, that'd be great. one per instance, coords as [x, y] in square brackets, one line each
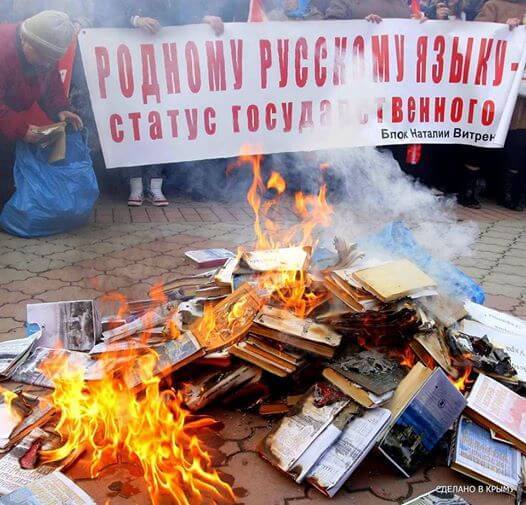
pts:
[131, 250]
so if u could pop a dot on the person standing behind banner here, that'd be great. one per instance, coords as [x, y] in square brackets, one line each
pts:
[294, 10]
[371, 10]
[513, 13]
[465, 10]
[469, 158]
[151, 16]
[79, 11]
[29, 53]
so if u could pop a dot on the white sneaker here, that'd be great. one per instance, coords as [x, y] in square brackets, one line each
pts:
[136, 197]
[156, 195]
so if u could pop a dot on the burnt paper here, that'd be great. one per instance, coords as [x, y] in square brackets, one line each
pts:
[371, 370]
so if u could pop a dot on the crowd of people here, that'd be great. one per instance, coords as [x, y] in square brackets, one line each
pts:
[35, 34]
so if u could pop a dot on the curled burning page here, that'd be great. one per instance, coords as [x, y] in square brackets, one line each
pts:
[513, 343]
[149, 320]
[229, 320]
[291, 259]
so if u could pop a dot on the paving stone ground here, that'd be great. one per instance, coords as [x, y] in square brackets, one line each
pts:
[131, 250]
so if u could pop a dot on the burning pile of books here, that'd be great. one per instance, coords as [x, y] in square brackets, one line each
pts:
[347, 355]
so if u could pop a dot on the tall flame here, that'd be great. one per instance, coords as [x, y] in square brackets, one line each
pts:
[110, 423]
[292, 289]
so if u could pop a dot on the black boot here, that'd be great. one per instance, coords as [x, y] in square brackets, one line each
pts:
[467, 196]
[510, 196]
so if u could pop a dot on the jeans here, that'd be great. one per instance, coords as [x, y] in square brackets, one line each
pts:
[147, 172]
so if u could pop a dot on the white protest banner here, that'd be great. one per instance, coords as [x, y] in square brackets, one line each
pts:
[185, 94]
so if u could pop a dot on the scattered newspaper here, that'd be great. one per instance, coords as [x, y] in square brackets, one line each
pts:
[339, 462]
[12, 352]
[31, 370]
[53, 489]
[296, 433]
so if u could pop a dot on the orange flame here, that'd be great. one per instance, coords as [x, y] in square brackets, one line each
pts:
[406, 357]
[109, 423]
[464, 381]
[293, 290]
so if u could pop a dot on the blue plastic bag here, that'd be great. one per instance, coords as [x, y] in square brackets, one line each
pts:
[398, 240]
[51, 198]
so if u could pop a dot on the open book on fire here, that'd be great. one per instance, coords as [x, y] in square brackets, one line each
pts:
[305, 334]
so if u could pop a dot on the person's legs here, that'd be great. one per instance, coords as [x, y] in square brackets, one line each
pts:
[154, 184]
[467, 195]
[134, 176]
[514, 176]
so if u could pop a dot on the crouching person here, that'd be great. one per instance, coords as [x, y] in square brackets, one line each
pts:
[29, 53]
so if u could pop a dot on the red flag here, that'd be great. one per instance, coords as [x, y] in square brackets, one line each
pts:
[415, 8]
[256, 13]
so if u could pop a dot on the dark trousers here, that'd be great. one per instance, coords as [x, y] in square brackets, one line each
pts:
[7, 161]
[514, 158]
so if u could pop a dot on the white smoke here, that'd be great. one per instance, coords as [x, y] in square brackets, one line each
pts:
[376, 192]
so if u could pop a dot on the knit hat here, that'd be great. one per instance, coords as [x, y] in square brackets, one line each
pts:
[49, 32]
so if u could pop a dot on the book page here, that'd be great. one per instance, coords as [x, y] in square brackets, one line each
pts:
[68, 325]
[495, 319]
[358, 437]
[286, 322]
[476, 451]
[54, 489]
[499, 405]
[295, 433]
[287, 259]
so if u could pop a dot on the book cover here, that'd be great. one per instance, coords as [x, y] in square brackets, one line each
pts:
[478, 455]
[370, 369]
[498, 407]
[209, 258]
[423, 422]
[68, 325]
